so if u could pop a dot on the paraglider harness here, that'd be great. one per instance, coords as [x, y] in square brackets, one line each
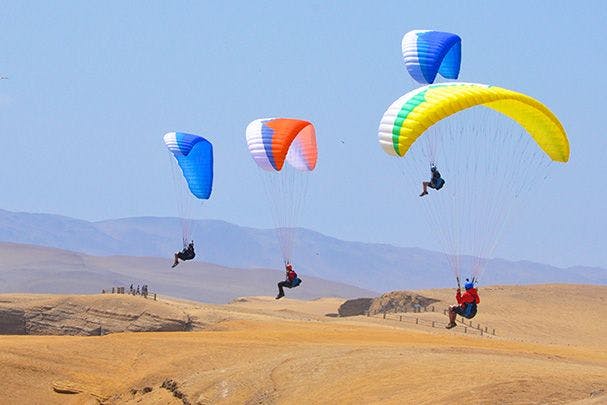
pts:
[187, 253]
[295, 281]
[469, 311]
[436, 182]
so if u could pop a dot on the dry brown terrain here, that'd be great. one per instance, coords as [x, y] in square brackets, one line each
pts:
[258, 350]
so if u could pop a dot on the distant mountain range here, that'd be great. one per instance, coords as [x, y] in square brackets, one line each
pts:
[36, 269]
[373, 266]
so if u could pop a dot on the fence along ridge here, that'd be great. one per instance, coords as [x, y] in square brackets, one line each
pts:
[468, 327]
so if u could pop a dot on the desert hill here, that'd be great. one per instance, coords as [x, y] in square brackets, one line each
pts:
[259, 350]
[37, 269]
[101, 314]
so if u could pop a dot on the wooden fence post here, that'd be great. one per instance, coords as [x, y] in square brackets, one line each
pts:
[400, 318]
[384, 315]
[465, 329]
[493, 332]
[481, 332]
[433, 324]
[416, 321]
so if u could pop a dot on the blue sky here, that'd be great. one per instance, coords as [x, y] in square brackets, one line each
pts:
[93, 87]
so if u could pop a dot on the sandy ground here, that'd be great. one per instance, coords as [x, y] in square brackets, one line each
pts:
[266, 351]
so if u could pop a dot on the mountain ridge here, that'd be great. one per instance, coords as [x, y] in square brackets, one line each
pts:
[373, 266]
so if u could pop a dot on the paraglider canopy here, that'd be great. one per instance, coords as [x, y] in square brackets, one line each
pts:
[272, 141]
[428, 53]
[191, 159]
[286, 152]
[409, 116]
[195, 157]
[493, 144]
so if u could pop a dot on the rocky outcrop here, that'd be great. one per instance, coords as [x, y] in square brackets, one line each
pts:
[173, 387]
[12, 321]
[396, 301]
[400, 301]
[88, 316]
[358, 306]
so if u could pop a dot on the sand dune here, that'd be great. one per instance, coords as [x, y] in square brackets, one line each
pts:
[549, 314]
[259, 350]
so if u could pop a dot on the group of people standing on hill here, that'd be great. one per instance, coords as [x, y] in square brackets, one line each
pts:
[137, 291]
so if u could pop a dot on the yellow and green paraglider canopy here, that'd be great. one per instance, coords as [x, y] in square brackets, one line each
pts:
[409, 116]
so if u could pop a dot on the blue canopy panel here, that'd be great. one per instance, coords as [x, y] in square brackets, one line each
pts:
[195, 157]
[428, 53]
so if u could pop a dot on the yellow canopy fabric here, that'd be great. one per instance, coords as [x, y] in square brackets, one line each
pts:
[409, 116]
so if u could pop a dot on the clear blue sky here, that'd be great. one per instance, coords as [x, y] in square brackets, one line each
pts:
[93, 87]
